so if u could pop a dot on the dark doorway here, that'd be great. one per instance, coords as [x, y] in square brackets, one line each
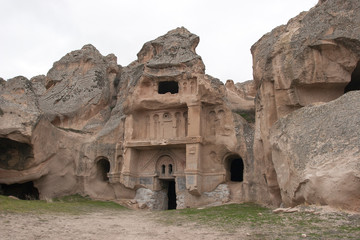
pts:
[171, 195]
[236, 170]
[354, 84]
[169, 86]
[103, 168]
[25, 191]
[234, 166]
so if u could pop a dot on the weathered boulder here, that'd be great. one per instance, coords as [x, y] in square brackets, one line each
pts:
[19, 110]
[316, 154]
[79, 89]
[314, 58]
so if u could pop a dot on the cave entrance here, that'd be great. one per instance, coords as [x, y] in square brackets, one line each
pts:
[234, 168]
[168, 86]
[15, 155]
[25, 191]
[170, 188]
[103, 168]
[354, 84]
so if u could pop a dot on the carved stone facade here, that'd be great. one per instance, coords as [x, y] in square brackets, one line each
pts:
[170, 143]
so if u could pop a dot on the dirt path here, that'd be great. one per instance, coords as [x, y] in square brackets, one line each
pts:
[106, 225]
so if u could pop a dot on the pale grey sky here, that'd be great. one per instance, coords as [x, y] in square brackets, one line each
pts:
[36, 33]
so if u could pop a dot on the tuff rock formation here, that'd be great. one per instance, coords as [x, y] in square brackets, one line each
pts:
[314, 58]
[163, 134]
[159, 131]
[316, 154]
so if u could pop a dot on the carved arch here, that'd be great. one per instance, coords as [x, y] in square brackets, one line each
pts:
[158, 155]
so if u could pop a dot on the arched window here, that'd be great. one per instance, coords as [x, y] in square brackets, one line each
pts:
[163, 169]
[103, 168]
[170, 169]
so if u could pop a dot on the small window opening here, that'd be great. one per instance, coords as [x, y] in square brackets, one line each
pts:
[168, 86]
[170, 169]
[163, 169]
[24, 191]
[103, 167]
[354, 84]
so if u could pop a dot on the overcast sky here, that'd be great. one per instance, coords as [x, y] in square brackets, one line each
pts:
[36, 33]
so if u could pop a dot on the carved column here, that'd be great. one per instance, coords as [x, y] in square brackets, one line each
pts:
[193, 151]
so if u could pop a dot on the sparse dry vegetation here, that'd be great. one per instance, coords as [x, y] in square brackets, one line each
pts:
[248, 220]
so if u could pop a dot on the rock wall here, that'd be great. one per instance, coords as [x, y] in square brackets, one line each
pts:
[314, 58]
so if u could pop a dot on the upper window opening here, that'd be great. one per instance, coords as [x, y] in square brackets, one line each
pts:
[168, 86]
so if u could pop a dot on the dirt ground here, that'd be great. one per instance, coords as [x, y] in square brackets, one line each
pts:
[104, 225]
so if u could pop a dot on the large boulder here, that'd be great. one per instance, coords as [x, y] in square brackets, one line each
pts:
[19, 109]
[79, 89]
[316, 154]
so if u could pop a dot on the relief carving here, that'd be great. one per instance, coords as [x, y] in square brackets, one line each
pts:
[178, 124]
[156, 126]
[212, 123]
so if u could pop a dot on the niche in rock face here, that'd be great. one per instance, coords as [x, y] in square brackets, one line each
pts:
[15, 155]
[25, 191]
[354, 84]
[103, 168]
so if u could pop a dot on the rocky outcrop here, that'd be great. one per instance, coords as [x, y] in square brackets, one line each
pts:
[79, 89]
[86, 128]
[316, 154]
[314, 58]
[18, 109]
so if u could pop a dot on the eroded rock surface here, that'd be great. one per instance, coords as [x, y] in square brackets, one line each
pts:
[316, 154]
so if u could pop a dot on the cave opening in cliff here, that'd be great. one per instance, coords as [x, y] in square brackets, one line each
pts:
[15, 155]
[235, 168]
[103, 168]
[354, 84]
[24, 191]
[168, 87]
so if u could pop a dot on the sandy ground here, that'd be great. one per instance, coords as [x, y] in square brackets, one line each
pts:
[106, 225]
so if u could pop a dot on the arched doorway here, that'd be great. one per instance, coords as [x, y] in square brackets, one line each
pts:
[354, 84]
[165, 168]
[103, 168]
[234, 166]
